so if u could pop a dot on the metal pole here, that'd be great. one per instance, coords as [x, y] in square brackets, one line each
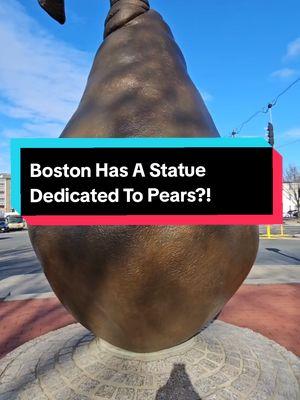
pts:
[270, 113]
[281, 230]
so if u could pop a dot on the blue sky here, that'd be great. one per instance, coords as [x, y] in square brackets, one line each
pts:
[240, 54]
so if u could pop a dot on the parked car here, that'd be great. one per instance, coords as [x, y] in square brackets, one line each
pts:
[14, 222]
[287, 215]
[295, 214]
[291, 214]
[3, 225]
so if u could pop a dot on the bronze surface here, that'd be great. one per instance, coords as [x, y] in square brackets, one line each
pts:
[55, 8]
[143, 288]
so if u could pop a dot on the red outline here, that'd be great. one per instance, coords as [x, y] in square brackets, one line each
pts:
[275, 218]
[153, 220]
[277, 187]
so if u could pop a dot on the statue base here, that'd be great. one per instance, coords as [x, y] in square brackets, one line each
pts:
[222, 362]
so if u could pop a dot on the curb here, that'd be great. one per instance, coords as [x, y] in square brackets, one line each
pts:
[274, 237]
[29, 296]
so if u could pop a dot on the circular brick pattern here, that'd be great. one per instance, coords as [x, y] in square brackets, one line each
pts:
[223, 362]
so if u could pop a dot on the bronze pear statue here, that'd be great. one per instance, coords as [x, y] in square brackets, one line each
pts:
[142, 288]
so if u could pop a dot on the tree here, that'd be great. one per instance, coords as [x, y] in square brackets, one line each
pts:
[292, 185]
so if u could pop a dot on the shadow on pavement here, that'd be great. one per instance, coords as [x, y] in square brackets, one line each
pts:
[178, 386]
[278, 251]
[18, 262]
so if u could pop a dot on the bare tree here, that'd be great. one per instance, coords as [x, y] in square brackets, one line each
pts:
[292, 185]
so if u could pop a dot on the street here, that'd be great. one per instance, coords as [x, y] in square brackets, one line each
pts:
[20, 270]
[279, 252]
[21, 276]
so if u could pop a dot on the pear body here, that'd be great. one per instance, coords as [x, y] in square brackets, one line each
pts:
[143, 288]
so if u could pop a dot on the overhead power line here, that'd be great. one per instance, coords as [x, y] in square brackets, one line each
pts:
[274, 102]
[265, 109]
[288, 143]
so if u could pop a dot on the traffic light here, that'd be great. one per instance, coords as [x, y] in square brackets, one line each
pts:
[271, 134]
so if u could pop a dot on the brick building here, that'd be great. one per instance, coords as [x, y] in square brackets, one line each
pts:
[5, 205]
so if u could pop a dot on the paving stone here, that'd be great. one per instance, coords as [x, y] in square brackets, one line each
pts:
[106, 391]
[223, 362]
[125, 394]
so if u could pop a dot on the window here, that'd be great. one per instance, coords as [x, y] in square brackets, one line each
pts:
[14, 219]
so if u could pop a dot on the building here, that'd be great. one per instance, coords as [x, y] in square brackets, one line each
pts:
[290, 195]
[5, 205]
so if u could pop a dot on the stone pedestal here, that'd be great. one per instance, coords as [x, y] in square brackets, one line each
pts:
[223, 362]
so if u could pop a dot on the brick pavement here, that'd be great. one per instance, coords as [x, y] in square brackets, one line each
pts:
[272, 310]
[23, 320]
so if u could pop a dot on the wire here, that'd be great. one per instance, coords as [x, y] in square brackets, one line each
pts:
[288, 143]
[274, 102]
[265, 110]
[262, 111]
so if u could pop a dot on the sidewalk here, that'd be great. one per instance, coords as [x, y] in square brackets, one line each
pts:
[272, 310]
